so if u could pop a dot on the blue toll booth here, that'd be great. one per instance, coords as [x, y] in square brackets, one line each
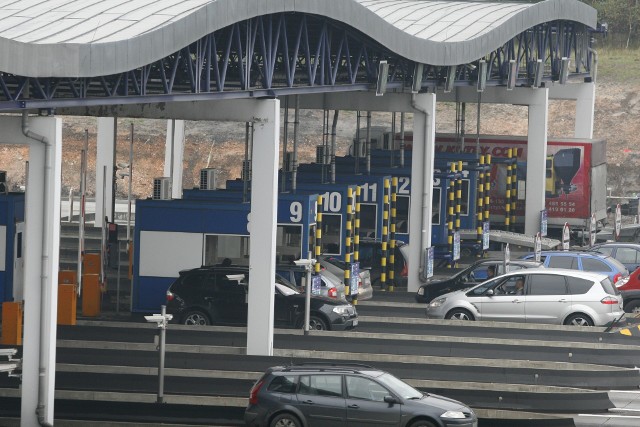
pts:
[372, 192]
[11, 245]
[204, 229]
[334, 211]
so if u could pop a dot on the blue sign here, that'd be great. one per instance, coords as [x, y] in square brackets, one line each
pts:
[430, 256]
[543, 223]
[456, 246]
[316, 283]
[485, 235]
[355, 276]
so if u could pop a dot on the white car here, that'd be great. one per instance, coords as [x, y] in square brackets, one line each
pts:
[555, 296]
[337, 267]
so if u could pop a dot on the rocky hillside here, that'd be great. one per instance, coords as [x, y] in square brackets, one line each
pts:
[221, 145]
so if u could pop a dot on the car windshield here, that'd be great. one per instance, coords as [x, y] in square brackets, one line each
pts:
[286, 290]
[399, 387]
[481, 289]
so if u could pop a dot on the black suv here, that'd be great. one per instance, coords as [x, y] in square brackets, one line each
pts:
[218, 295]
[347, 395]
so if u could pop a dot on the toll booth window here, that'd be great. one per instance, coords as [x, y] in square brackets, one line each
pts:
[368, 220]
[464, 197]
[288, 243]
[218, 247]
[402, 214]
[435, 206]
[331, 233]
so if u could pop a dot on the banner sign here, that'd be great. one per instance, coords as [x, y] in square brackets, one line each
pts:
[507, 258]
[456, 246]
[316, 283]
[592, 231]
[543, 223]
[566, 237]
[485, 235]
[355, 276]
[618, 221]
[538, 246]
[429, 263]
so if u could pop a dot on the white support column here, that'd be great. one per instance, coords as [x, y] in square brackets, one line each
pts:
[424, 132]
[585, 110]
[536, 159]
[173, 156]
[585, 96]
[263, 223]
[42, 246]
[105, 152]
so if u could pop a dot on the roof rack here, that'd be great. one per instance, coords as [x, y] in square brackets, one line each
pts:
[322, 366]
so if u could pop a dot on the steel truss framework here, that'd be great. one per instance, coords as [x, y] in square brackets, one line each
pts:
[297, 53]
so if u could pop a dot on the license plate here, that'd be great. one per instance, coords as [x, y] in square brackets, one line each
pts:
[355, 322]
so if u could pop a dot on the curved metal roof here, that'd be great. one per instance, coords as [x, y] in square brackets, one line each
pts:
[83, 38]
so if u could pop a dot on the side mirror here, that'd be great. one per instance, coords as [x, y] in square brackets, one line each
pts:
[489, 292]
[391, 400]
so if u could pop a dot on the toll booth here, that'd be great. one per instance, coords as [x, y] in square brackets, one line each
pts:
[11, 246]
[372, 196]
[204, 229]
[334, 211]
[296, 219]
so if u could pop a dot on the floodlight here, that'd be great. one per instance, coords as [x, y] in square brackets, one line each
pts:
[513, 74]
[451, 78]
[538, 73]
[482, 75]
[564, 70]
[383, 75]
[417, 78]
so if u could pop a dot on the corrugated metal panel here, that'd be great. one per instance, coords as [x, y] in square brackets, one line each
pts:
[415, 29]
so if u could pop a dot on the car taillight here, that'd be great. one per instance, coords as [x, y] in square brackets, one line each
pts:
[359, 283]
[405, 270]
[170, 296]
[620, 283]
[609, 300]
[253, 394]
[332, 292]
[617, 277]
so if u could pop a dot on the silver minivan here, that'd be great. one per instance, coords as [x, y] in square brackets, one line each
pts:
[537, 295]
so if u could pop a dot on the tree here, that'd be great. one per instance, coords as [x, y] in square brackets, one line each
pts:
[621, 16]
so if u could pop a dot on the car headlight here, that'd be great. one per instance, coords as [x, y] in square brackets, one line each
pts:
[344, 310]
[421, 291]
[453, 414]
[437, 302]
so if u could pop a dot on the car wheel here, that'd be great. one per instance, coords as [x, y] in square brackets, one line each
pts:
[459, 314]
[195, 317]
[632, 307]
[579, 320]
[316, 324]
[422, 423]
[285, 420]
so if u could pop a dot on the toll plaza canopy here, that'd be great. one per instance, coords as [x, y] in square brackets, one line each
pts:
[82, 50]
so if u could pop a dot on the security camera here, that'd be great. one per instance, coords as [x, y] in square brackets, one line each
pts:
[305, 262]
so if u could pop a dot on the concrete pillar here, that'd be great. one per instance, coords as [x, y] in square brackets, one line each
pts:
[536, 159]
[585, 110]
[105, 154]
[42, 244]
[585, 96]
[424, 132]
[262, 227]
[173, 156]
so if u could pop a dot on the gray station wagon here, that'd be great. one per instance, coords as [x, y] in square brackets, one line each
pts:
[328, 395]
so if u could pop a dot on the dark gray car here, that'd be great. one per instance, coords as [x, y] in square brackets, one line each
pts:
[328, 395]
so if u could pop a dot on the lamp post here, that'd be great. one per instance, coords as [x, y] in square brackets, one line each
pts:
[308, 266]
